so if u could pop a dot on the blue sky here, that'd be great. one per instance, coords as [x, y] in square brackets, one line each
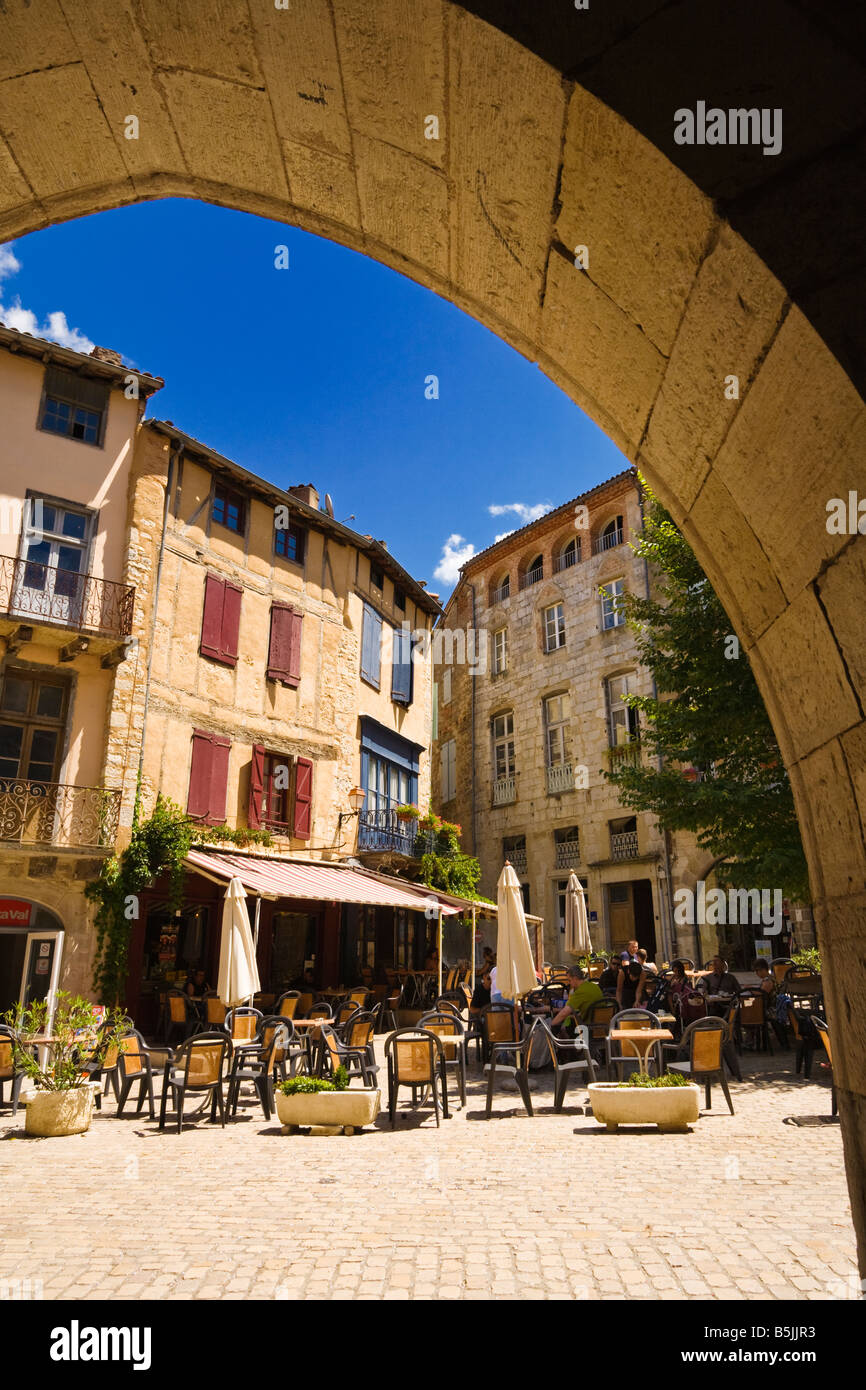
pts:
[315, 373]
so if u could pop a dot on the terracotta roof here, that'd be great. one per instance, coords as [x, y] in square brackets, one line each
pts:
[318, 519]
[45, 351]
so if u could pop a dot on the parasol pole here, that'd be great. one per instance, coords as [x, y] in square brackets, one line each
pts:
[473, 948]
[439, 994]
[256, 939]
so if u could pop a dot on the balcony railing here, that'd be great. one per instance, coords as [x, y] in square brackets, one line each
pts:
[502, 593]
[384, 830]
[504, 790]
[532, 577]
[624, 755]
[566, 559]
[567, 854]
[624, 845]
[606, 542]
[65, 599]
[560, 779]
[517, 860]
[54, 813]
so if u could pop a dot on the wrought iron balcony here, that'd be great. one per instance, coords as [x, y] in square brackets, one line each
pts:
[624, 755]
[567, 854]
[566, 559]
[624, 845]
[55, 813]
[385, 831]
[532, 577]
[61, 598]
[504, 790]
[517, 860]
[606, 542]
[560, 779]
[502, 593]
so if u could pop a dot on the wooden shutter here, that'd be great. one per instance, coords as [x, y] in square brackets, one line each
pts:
[257, 776]
[219, 779]
[371, 634]
[212, 617]
[284, 649]
[401, 667]
[303, 798]
[198, 800]
[231, 624]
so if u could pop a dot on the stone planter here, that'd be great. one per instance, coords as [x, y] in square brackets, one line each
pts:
[53, 1113]
[672, 1108]
[328, 1112]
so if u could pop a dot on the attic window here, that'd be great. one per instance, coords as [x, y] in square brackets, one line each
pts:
[74, 406]
[229, 509]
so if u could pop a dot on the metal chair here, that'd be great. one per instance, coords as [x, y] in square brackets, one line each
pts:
[569, 1058]
[198, 1065]
[824, 1034]
[704, 1041]
[634, 1020]
[134, 1065]
[415, 1058]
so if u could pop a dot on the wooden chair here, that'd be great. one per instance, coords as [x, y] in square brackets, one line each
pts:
[198, 1065]
[415, 1058]
[824, 1034]
[704, 1042]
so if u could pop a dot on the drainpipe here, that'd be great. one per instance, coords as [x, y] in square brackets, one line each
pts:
[473, 681]
[175, 453]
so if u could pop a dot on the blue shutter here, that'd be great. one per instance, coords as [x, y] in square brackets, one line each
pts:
[401, 667]
[370, 646]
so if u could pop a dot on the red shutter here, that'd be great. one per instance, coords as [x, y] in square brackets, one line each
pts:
[257, 774]
[303, 798]
[212, 617]
[219, 779]
[231, 624]
[284, 651]
[200, 773]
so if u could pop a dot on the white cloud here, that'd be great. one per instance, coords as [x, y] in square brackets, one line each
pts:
[455, 552]
[524, 511]
[54, 326]
[502, 535]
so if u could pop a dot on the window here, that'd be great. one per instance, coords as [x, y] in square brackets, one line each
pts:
[56, 562]
[400, 600]
[514, 850]
[524, 893]
[568, 556]
[377, 578]
[229, 509]
[534, 572]
[502, 728]
[446, 687]
[291, 544]
[401, 666]
[556, 730]
[500, 651]
[611, 616]
[303, 816]
[554, 627]
[387, 784]
[208, 777]
[501, 591]
[32, 719]
[618, 893]
[623, 722]
[284, 646]
[612, 534]
[221, 620]
[74, 406]
[371, 644]
[270, 777]
[448, 757]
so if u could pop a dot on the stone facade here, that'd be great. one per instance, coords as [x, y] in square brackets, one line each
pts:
[555, 811]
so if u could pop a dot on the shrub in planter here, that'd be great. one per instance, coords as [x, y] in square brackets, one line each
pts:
[671, 1078]
[314, 1085]
[408, 813]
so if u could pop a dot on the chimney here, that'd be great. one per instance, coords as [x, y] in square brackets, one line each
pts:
[107, 355]
[307, 493]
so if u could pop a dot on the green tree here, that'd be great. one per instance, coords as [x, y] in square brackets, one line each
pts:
[708, 716]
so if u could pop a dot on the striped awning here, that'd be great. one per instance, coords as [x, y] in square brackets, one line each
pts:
[310, 879]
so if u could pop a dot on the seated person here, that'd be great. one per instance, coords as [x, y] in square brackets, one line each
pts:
[610, 975]
[632, 986]
[432, 961]
[583, 992]
[647, 964]
[767, 985]
[196, 986]
[481, 994]
[680, 984]
[720, 980]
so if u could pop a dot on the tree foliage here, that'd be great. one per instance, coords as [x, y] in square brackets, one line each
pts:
[709, 716]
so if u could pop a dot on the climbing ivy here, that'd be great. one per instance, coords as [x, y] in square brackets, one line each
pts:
[444, 866]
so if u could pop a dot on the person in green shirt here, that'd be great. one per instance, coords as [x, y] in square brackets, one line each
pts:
[582, 993]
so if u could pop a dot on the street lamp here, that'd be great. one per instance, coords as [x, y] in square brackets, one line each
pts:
[357, 797]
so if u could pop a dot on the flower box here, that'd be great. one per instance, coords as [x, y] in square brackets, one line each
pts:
[672, 1108]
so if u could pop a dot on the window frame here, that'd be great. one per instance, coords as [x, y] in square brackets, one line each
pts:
[503, 742]
[559, 629]
[500, 660]
[229, 493]
[447, 692]
[558, 727]
[31, 722]
[61, 398]
[608, 605]
[300, 533]
[371, 616]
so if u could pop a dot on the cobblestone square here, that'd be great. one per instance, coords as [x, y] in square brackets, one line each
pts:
[746, 1206]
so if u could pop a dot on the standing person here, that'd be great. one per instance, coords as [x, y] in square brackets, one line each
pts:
[633, 949]
[631, 987]
[647, 964]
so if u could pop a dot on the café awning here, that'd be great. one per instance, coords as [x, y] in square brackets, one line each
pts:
[312, 880]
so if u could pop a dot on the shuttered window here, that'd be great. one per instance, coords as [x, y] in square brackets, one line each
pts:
[371, 640]
[257, 768]
[448, 769]
[401, 666]
[208, 777]
[221, 620]
[284, 649]
[269, 790]
[303, 799]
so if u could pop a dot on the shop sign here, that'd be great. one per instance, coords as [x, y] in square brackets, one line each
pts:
[15, 912]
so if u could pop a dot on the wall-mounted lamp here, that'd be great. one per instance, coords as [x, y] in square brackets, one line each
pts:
[357, 797]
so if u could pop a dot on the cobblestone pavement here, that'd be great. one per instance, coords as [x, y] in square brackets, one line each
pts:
[743, 1207]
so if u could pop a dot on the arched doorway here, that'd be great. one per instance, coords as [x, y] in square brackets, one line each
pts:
[554, 210]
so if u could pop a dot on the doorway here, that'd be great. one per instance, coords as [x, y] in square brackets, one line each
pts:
[30, 954]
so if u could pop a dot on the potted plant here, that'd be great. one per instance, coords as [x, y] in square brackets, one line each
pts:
[63, 1101]
[407, 813]
[669, 1101]
[326, 1105]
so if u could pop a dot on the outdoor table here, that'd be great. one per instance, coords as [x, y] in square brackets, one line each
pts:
[666, 1018]
[643, 1039]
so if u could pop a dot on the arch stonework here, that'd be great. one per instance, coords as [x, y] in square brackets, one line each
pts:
[316, 116]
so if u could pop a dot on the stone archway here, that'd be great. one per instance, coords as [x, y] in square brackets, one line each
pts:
[320, 115]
